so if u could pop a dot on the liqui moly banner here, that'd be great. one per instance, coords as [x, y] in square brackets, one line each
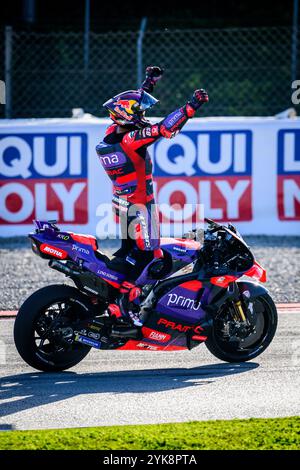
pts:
[246, 170]
[211, 171]
[44, 175]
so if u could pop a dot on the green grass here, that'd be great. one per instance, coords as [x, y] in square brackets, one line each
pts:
[278, 433]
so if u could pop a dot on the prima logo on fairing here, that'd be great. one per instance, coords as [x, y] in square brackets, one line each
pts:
[80, 250]
[181, 301]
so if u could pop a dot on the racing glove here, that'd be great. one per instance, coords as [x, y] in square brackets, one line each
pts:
[198, 99]
[153, 74]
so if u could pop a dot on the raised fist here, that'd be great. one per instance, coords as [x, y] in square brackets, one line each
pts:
[154, 73]
[199, 97]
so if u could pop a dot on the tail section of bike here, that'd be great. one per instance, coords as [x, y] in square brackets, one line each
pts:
[78, 257]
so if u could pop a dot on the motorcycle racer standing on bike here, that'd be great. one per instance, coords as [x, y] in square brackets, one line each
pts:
[124, 156]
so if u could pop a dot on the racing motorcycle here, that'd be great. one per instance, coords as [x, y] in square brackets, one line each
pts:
[191, 295]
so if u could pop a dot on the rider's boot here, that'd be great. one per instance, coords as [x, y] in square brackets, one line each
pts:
[125, 311]
[128, 301]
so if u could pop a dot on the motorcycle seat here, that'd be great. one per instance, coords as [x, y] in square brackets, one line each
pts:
[91, 241]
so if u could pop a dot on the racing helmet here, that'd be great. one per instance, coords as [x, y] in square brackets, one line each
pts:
[128, 108]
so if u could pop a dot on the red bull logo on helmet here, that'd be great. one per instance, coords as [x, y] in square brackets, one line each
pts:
[125, 105]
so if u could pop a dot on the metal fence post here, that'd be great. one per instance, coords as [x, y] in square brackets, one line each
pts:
[139, 50]
[295, 40]
[8, 57]
[86, 53]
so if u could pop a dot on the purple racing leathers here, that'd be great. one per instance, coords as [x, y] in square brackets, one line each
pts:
[125, 159]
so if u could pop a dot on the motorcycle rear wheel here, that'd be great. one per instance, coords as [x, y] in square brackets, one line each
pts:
[40, 314]
[253, 345]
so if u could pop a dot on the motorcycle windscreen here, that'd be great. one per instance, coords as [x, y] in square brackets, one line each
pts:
[183, 302]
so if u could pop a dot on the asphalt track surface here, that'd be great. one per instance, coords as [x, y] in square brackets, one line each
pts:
[128, 387]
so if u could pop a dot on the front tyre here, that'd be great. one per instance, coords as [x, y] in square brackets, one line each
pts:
[42, 326]
[246, 349]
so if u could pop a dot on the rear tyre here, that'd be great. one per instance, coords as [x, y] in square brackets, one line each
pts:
[254, 344]
[38, 321]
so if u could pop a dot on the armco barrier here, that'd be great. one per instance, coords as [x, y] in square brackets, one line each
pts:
[246, 170]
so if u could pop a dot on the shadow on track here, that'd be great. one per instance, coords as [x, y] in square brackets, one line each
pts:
[25, 391]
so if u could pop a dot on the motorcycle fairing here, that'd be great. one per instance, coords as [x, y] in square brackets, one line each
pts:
[251, 289]
[136, 345]
[84, 249]
[80, 249]
[256, 272]
[164, 333]
[178, 325]
[180, 248]
[183, 302]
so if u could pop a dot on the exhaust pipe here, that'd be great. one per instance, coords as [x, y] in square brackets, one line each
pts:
[63, 268]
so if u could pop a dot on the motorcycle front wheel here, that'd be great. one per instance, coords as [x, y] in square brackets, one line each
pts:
[245, 349]
[41, 322]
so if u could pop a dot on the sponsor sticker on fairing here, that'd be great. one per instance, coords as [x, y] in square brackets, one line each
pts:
[155, 335]
[53, 251]
[88, 341]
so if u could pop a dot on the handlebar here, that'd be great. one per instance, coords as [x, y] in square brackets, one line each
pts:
[211, 222]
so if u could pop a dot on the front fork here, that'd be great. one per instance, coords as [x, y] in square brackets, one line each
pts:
[238, 311]
[238, 306]
[233, 296]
